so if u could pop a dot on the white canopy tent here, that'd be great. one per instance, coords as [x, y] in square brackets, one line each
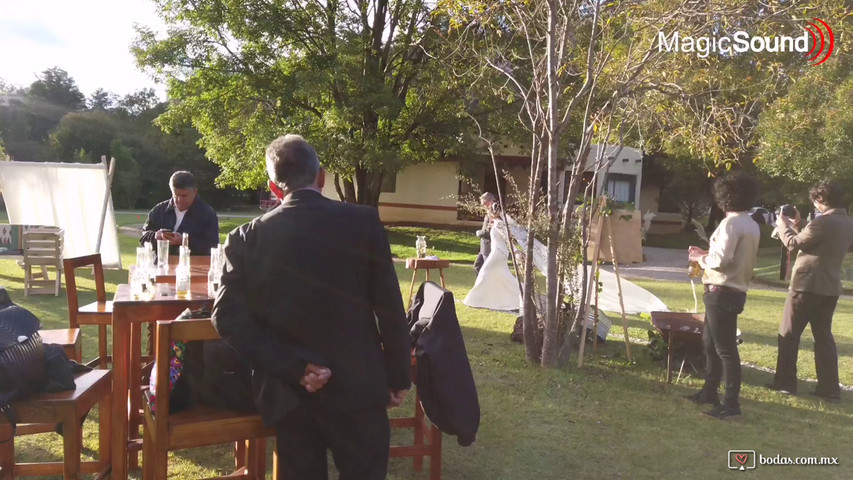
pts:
[73, 196]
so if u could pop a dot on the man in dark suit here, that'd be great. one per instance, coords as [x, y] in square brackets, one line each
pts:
[186, 213]
[488, 202]
[814, 290]
[310, 298]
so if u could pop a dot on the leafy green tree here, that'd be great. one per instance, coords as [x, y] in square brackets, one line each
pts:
[145, 155]
[807, 134]
[92, 131]
[102, 100]
[352, 76]
[57, 88]
[126, 177]
[139, 102]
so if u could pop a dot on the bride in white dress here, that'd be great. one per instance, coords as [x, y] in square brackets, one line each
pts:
[496, 287]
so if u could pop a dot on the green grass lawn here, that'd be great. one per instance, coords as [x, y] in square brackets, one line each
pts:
[609, 420]
[767, 269]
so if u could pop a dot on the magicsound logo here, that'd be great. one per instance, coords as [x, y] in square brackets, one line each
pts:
[821, 36]
[829, 43]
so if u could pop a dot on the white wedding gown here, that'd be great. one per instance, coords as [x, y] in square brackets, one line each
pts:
[496, 287]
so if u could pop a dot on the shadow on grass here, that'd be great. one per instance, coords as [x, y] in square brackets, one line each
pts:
[580, 415]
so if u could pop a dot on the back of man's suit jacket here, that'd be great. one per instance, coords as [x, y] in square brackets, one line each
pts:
[313, 281]
[822, 245]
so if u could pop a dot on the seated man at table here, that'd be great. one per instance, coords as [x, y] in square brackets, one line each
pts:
[185, 212]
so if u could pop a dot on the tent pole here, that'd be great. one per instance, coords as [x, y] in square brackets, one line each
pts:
[602, 201]
[107, 195]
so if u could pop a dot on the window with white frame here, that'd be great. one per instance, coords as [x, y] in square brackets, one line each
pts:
[622, 187]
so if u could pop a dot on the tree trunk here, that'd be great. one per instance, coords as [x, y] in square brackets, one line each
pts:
[349, 191]
[530, 322]
[364, 191]
[368, 187]
[551, 342]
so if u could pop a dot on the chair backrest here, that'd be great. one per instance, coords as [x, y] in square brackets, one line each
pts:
[69, 265]
[42, 248]
[168, 331]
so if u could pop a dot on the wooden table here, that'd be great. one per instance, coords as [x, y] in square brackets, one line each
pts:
[128, 316]
[425, 264]
[677, 329]
[199, 266]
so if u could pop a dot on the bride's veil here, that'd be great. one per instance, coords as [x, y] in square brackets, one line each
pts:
[520, 234]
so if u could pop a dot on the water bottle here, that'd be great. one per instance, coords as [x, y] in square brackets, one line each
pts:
[183, 274]
[213, 273]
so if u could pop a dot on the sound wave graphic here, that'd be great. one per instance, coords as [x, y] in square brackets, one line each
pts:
[817, 33]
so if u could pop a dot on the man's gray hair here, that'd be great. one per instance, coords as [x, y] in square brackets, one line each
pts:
[182, 180]
[488, 196]
[292, 162]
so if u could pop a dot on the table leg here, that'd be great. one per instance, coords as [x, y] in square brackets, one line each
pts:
[669, 358]
[134, 366]
[121, 343]
[412, 289]
[427, 274]
[441, 274]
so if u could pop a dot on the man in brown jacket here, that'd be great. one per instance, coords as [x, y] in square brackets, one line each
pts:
[814, 290]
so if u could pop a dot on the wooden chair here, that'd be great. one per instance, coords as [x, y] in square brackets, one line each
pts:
[424, 431]
[67, 338]
[99, 312]
[42, 249]
[67, 408]
[198, 426]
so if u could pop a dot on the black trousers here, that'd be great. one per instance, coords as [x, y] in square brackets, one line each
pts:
[478, 263]
[358, 440]
[720, 342]
[802, 308]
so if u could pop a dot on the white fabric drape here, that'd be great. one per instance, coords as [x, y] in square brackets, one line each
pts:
[636, 298]
[65, 195]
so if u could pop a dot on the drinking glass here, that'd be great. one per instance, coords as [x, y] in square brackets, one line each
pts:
[162, 253]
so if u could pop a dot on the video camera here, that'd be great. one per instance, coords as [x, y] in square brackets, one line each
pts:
[788, 210]
[785, 255]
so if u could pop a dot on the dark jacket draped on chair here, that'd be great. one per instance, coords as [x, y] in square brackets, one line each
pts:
[444, 379]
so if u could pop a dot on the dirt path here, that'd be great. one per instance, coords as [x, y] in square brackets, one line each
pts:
[668, 264]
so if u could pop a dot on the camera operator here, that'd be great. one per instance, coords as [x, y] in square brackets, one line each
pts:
[728, 265]
[814, 290]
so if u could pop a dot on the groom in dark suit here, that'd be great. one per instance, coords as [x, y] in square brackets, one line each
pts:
[484, 234]
[310, 297]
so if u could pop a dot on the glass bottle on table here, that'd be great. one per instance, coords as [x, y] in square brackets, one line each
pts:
[183, 274]
[213, 276]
